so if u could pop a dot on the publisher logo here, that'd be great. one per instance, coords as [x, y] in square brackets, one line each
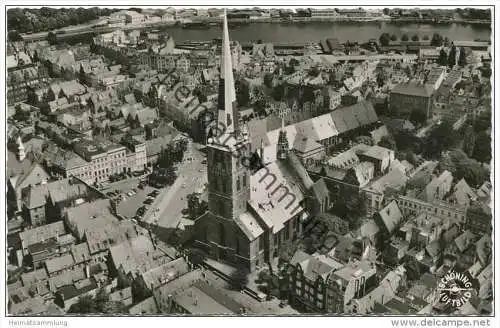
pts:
[455, 289]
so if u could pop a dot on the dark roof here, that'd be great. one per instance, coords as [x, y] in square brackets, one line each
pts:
[77, 289]
[352, 117]
[43, 245]
[391, 216]
[219, 297]
[399, 306]
[413, 89]
[379, 308]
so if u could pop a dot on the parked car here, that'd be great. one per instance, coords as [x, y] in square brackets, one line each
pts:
[154, 193]
[149, 201]
[141, 211]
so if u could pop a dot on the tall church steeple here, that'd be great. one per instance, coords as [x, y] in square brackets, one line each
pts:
[228, 115]
[228, 175]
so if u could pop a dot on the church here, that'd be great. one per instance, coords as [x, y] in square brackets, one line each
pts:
[251, 212]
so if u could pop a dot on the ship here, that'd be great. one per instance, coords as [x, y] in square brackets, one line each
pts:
[196, 25]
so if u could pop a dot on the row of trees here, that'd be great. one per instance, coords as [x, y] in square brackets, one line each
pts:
[386, 38]
[45, 19]
[437, 39]
[166, 172]
[461, 166]
[450, 59]
[172, 154]
[445, 144]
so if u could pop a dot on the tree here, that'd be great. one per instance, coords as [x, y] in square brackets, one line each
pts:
[437, 40]
[417, 116]
[405, 37]
[268, 80]
[482, 148]
[441, 137]
[293, 62]
[443, 58]
[278, 93]
[452, 56]
[367, 140]
[352, 208]
[446, 41]
[483, 122]
[381, 78]
[384, 39]
[415, 38]
[139, 10]
[314, 71]
[462, 57]
[85, 304]
[52, 38]
[263, 275]
[405, 140]
[461, 166]
[286, 251]
[413, 270]
[239, 279]
[196, 207]
[486, 72]
[387, 142]
[289, 70]
[386, 11]
[114, 307]
[98, 304]
[171, 175]
[409, 156]
[14, 36]
[394, 37]
[242, 93]
[469, 140]
[408, 71]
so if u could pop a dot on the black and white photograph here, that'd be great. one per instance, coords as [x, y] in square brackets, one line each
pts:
[244, 160]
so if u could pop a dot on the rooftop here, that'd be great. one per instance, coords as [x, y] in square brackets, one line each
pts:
[413, 89]
[87, 148]
[355, 269]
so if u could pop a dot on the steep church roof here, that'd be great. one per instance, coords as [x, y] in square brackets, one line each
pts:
[228, 80]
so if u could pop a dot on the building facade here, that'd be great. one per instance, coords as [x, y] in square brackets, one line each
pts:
[100, 161]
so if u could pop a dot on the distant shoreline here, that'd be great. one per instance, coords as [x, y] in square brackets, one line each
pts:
[335, 19]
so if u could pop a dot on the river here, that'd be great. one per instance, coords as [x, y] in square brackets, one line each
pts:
[344, 31]
[318, 31]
